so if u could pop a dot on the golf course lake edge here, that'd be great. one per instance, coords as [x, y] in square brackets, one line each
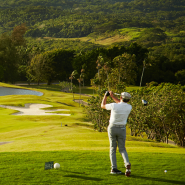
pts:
[4, 91]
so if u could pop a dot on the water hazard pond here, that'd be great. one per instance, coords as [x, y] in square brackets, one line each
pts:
[14, 91]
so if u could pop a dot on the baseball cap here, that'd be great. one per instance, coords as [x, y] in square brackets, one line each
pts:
[125, 95]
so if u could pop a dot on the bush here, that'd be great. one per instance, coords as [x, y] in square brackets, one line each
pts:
[163, 117]
[66, 86]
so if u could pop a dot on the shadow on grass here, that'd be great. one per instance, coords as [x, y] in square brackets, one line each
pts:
[83, 177]
[158, 179]
[79, 176]
[65, 104]
[45, 87]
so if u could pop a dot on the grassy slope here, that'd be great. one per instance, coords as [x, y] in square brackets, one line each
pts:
[100, 41]
[125, 34]
[82, 152]
[46, 132]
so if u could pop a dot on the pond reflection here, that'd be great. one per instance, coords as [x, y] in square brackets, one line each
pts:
[13, 91]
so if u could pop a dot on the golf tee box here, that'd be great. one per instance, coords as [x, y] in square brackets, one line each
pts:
[49, 165]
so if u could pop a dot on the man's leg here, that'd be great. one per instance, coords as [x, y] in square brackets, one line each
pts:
[113, 146]
[121, 145]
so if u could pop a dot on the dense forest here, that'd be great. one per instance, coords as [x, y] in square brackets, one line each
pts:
[156, 27]
[66, 19]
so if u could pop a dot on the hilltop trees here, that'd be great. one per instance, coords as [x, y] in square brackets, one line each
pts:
[156, 23]
[79, 18]
[32, 63]
[159, 68]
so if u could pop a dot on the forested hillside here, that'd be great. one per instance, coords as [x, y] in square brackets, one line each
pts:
[156, 26]
[76, 18]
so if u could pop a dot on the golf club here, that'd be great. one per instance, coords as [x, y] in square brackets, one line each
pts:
[144, 102]
[108, 94]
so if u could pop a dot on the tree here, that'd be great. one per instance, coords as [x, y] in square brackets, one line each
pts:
[116, 74]
[60, 61]
[17, 35]
[9, 58]
[163, 117]
[83, 74]
[98, 116]
[37, 68]
[153, 34]
[89, 59]
[80, 79]
[99, 62]
[180, 76]
[126, 67]
[52, 65]
[10, 53]
[72, 76]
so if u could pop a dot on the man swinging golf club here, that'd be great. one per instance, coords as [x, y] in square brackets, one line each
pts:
[117, 128]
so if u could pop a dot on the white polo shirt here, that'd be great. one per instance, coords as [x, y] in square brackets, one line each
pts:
[119, 113]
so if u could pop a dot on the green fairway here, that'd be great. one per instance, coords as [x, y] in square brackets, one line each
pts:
[90, 167]
[82, 152]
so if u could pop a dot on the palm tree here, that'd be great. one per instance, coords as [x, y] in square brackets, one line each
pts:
[99, 62]
[107, 69]
[83, 72]
[79, 80]
[73, 74]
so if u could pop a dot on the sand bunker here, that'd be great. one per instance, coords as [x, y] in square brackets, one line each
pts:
[35, 109]
[3, 143]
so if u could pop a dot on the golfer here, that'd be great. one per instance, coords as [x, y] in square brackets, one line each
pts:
[117, 128]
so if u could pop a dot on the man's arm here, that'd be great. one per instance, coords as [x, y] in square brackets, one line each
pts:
[113, 97]
[103, 103]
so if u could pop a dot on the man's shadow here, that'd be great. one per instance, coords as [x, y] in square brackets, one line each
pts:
[85, 177]
[158, 179]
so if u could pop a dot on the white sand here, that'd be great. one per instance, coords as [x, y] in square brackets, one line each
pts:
[34, 109]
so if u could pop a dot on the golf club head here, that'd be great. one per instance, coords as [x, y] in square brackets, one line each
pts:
[144, 102]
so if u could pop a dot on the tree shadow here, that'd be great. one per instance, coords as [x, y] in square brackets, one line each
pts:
[158, 179]
[45, 87]
[83, 177]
